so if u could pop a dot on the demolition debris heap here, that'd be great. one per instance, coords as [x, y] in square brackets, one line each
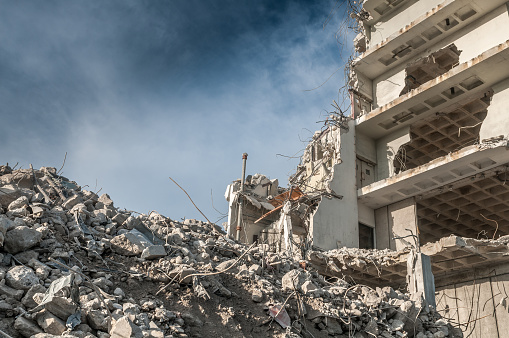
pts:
[72, 264]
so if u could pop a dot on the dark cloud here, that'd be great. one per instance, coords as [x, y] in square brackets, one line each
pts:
[166, 87]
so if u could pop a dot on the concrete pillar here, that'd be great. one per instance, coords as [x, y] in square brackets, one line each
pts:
[420, 278]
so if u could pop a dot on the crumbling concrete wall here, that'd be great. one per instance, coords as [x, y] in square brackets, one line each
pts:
[496, 122]
[400, 18]
[487, 32]
[335, 222]
[393, 221]
[387, 149]
[258, 189]
[365, 147]
[478, 300]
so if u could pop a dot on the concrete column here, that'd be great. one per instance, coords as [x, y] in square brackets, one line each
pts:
[420, 278]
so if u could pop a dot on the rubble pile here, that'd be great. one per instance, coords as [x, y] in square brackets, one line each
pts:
[74, 265]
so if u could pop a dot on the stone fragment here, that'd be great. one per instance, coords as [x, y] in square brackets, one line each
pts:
[6, 224]
[124, 328]
[119, 292]
[372, 328]
[105, 200]
[257, 269]
[131, 243]
[293, 279]
[26, 327]
[308, 287]
[10, 292]
[183, 272]
[120, 218]
[25, 256]
[28, 299]
[21, 238]
[163, 314]
[41, 270]
[154, 331]
[18, 203]
[333, 327]
[21, 277]
[97, 320]
[71, 202]
[61, 307]
[153, 252]
[19, 212]
[397, 325]
[50, 323]
[191, 319]
[257, 296]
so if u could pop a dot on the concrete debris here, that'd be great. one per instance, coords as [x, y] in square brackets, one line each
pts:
[77, 266]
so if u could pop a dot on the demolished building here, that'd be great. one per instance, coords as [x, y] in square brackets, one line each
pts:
[72, 264]
[422, 159]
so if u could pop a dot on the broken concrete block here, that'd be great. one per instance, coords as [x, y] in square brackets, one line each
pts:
[9, 193]
[408, 313]
[26, 327]
[105, 200]
[124, 327]
[25, 256]
[10, 292]
[191, 319]
[97, 320]
[153, 252]
[333, 327]
[41, 270]
[181, 274]
[71, 202]
[61, 307]
[131, 243]
[131, 222]
[21, 278]
[19, 212]
[120, 218]
[28, 299]
[154, 331]
[164, 315]
[257, 296]
[100, 217]
[257, 269]
[21, 238]
[308, 287]
[18, 203]
[6, 224]
[294, 280]
[50, 323]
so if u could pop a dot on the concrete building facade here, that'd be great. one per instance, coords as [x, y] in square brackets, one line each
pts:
[429, 103]
[421, 160]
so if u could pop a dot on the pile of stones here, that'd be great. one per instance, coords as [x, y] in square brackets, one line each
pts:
[72, 264]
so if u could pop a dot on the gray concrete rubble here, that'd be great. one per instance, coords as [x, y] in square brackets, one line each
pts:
[77, 266]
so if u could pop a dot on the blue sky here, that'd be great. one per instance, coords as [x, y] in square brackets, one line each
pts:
[137, 91]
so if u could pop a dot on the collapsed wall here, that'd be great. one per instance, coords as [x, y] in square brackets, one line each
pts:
[73, 264]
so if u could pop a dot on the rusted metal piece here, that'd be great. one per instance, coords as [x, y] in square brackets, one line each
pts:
[293, 195]
[239, 215]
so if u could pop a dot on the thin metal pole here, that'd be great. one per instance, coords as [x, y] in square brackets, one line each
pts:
[239, 215]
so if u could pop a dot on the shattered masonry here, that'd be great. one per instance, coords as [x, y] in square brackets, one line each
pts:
[421, 161]
[74, 265]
